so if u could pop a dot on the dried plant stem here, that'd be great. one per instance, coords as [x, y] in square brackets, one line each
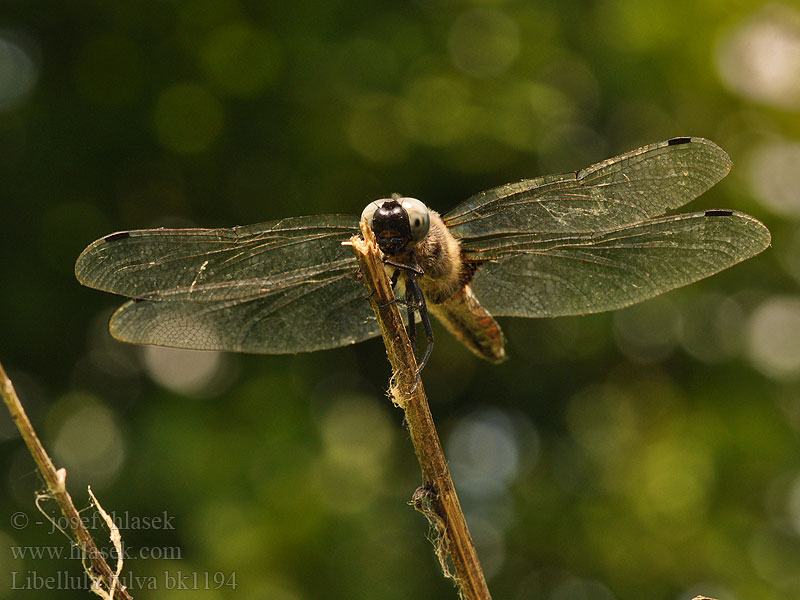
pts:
[437, 497]
[98, 568]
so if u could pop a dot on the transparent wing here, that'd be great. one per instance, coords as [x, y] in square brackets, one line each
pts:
[629, 188]
[573, 274]
[276, 287]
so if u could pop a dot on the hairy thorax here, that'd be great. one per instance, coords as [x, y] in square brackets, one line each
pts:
[439, 257]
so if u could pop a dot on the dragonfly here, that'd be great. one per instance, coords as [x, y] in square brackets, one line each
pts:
[575, 243]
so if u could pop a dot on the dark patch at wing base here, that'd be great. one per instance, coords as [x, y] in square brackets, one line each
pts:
[468, 268]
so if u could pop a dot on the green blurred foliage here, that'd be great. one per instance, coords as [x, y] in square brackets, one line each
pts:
[648, 454]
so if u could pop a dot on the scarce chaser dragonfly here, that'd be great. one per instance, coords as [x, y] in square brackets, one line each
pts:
[569, 244]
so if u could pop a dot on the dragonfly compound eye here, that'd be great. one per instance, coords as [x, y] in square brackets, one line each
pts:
[419, 218]
[369, 210]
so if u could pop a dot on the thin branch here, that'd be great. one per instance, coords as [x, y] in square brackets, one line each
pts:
[98, 568]
[436, 498]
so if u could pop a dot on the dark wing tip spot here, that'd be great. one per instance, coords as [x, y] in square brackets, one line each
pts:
[719, 212]
[678, 140]
[122, 235]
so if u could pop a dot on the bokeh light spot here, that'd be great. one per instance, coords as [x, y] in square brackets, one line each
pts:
[240, 60]
[18, 71]
[224, 529]
[190, 372]
[375, 132]
[490, 543]
[484, 453]
[760, 58]
[793, 503]
[581, 589]
[631, 26]
[87, 440]
[484, 42]
[187, 118]
[773, 336]
[198, 18]
[674, 480]
[517, 113]
[774, 176]
[713, 329]
[603, 420]
[775, 555]
[355, 428]
[357, 438]
[647, 332]
[437, 111]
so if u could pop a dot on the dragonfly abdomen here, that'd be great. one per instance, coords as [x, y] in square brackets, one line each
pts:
[471, 324]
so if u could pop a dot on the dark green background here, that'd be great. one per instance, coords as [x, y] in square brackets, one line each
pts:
[645, 454]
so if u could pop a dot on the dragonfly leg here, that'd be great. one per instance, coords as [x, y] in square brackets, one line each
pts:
[411, 308]
[412, 269]
[414, 301]
[426, 322]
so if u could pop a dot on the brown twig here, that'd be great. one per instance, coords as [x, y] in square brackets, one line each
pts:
[436, 498]
[98, 568]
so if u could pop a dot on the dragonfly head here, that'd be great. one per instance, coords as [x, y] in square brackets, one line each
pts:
[398, 223]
